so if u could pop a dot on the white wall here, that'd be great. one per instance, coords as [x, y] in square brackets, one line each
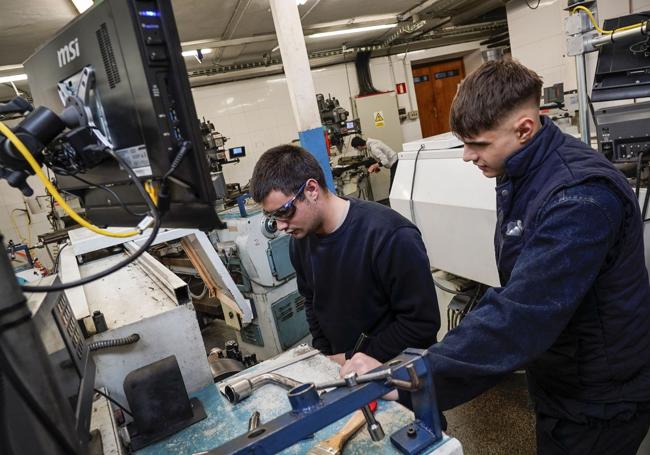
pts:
[257, 112]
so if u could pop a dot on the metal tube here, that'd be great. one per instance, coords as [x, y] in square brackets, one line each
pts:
[238, 391]
[637, 32]
[583, 110]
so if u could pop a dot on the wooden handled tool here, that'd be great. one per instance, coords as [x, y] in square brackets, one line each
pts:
[334, 445]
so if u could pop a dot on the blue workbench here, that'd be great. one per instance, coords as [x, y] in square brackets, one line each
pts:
[225, 421]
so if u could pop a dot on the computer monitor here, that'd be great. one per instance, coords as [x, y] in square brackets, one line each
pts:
[121, 60]
[237, 152]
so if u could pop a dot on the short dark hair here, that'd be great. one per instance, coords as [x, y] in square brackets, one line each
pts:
[490, 93]
[284, 168]
[357, 141]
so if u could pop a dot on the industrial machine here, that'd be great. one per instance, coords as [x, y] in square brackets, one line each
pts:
[256, 255]
[214, 144]
[336, 120]
[119, 118]
[379, 117]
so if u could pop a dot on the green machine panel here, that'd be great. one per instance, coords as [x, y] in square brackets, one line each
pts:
[290, 319]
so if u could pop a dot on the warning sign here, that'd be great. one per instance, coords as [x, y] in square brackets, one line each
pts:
[379, 119]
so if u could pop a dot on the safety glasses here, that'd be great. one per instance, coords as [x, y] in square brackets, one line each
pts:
[286, 210]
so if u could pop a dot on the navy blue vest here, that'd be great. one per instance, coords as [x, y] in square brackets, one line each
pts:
[616, 310]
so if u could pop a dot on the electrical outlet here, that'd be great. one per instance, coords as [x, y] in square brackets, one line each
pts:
[413, 115]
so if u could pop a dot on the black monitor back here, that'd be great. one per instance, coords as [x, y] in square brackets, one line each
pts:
[141, 102]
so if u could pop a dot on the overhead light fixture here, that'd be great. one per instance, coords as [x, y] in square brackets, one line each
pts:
[14, 78]
[195, 53]
[350, 31]
[301, 2]
[82, 5]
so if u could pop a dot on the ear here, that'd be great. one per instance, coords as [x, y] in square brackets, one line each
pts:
[312, 190]
[525, 129]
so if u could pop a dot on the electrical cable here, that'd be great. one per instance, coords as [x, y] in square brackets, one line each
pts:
[533, 7]
[58, 258]
[24, 151]
[450, 291]
[115, 402]
[595, 23]
[113, 342]
[157, 221]
[103, 188]
[415, 168]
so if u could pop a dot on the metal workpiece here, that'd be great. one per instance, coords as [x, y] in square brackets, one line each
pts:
[291, 427]
[254, 421]
[352, 379]
[240, 390]
[374, 427]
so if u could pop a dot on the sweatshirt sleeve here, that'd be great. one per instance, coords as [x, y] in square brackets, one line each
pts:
[403, 266]
[515, 324]
[319, 341]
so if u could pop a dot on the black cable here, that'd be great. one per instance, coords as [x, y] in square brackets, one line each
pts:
[113, 342]
[533, 7]
[638, 175]
[18, 384]
[103, 188]
[58, 257]
[115, 402]
[646, 199]
[415, 168]
[446, 289]
[154, 232]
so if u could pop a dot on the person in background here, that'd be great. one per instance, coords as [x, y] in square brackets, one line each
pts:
[382, 153]
[573, 308]
[361, 267]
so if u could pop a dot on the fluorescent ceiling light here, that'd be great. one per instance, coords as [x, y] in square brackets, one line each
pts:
[194, 53]
[301, 2]
[82, 5]
[14, 78]
[351, 30]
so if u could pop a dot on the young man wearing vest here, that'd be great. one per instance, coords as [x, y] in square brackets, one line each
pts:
[573, 308]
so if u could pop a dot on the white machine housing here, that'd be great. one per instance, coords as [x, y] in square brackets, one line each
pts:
[263, 252]
[453, 205]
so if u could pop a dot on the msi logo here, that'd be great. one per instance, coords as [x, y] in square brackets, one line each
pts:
[68, 52]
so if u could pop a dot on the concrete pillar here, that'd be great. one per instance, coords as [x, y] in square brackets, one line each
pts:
[301, 85]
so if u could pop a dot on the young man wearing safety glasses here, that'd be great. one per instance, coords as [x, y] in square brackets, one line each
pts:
[362, 267]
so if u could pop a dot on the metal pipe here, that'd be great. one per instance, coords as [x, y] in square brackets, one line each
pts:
[637, 32]
[240, 390]
[583, 104]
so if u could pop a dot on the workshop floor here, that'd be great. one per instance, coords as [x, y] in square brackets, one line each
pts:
[500, 421]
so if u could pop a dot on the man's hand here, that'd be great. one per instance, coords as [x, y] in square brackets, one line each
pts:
[338, 358]
[361, 363]
[374, 168]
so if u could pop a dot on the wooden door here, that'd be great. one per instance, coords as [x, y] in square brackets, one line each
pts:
[435, 88]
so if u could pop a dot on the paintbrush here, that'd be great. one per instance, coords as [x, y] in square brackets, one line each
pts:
[334, 444]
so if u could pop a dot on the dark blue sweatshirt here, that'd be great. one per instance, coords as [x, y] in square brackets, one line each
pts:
[371, 275]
